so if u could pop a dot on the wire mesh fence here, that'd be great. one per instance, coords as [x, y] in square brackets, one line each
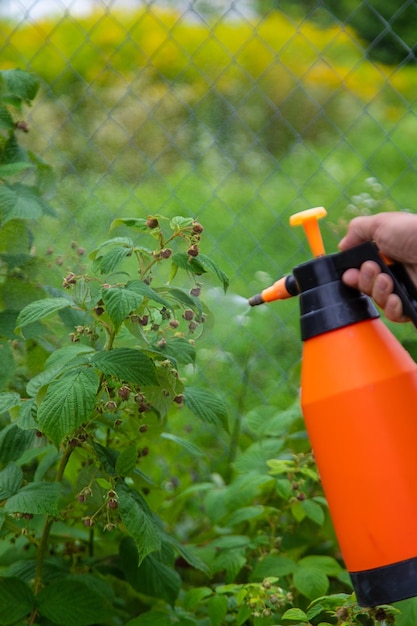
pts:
[237, 113]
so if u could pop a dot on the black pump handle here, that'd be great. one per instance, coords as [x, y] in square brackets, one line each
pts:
[403, 285]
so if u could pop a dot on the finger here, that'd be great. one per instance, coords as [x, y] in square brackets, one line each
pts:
[351, 277]
[394, 309]
[368, 274]
[360, 229]
[382, 288]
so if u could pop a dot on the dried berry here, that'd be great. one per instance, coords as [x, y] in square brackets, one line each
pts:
[195, 291]
[166, 253]
[188, 315]
[197, 228]
[174, 323]
[193, 250]
[152, 222]
[124, 392]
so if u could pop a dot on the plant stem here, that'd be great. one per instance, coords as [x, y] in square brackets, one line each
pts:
[43, 545]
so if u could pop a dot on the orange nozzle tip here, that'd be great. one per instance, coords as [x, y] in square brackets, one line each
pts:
[277, 291]
[316, 213]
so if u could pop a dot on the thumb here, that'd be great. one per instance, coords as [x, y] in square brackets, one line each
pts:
[360, 229]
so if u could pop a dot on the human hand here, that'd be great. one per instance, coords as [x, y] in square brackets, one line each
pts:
[395, 234]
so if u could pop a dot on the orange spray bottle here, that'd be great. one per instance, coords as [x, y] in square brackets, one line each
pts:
[359, 402]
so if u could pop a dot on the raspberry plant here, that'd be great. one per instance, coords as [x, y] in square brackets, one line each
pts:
[95, 384]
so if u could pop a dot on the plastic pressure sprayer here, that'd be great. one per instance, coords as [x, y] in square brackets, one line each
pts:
[359, 402]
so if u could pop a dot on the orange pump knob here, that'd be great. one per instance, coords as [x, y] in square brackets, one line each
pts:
[309, 221]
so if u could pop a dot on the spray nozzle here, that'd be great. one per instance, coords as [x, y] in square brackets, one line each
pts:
[286, 287]
[327, 268]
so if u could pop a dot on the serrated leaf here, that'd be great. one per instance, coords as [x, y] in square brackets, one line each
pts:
[154, 577]
[210, 265]
[256, 456]
[206, 406]
[68, 403]
[107, 262]
[10, 169]
[126, 461]
[179, 222]
[195, 595]
[16, 600]
[120, 303]
[181, 350]
[184, 298]
[13, 443]
[35, 498]
[8, 400]
[187, 263]
[138, 223]
[311, 582]
[6, 120]
[141, 288]
[273, 565]
[21, 83]
[187, 445]
[217, 608]
[295, 614]
[10, 481]
[327, 564]
[140, 523]
[40, 309]
[73, 602]
[126, 364]
[314, 511]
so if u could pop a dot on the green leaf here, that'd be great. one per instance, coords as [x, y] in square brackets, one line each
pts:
[184, 298]
[13, 443]
[210, 265]
[6, 120]
[68, 403]
[40, 309]
[126, 461]
[16, 600]
[107, 262]
[273, 565]
[141, 288]
[217, 608]
[181, 350]
[126, 364]
[326, 564]
[313, 511]
[295, 615]
[74, 602]
[187, 445]
[311, 582]
[21, 83]
[140, 523]
[10, 169]
[255, 458]
[10, 481]
[120, 303]
[179, 222]
[8, 400]
[35, 498]
[138, 223]
[206, 406]
[152, 618]
[24, 201]
[195, 595]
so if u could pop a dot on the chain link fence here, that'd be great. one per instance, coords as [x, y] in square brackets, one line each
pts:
[237, 113]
